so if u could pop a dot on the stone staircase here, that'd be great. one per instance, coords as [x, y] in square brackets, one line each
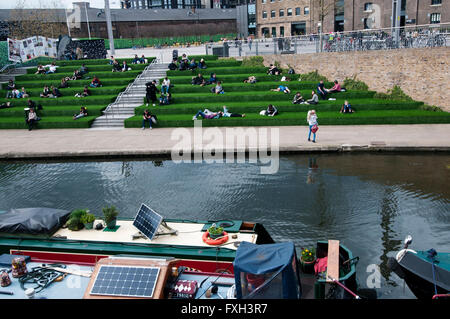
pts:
[133, 96]
[10, 74]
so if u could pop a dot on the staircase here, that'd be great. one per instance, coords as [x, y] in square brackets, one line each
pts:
[133, 96]
[10, 74]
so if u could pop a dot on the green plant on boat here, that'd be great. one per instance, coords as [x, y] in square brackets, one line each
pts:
[88, 218]
[215, 231]
[308, 255]
[110, 215]
[75, 219]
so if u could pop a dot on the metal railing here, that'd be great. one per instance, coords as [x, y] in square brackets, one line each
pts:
[421, 36]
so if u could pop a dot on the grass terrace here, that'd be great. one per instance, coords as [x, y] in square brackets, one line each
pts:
[370, 106]
[58, 112]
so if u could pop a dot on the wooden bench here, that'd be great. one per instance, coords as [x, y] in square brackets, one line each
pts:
[333, 260]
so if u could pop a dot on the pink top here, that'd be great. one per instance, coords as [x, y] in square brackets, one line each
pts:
[337, 87]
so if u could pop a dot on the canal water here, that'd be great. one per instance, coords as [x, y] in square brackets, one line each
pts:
[369, 202]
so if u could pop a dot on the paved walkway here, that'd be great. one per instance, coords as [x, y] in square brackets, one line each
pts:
[60, 143]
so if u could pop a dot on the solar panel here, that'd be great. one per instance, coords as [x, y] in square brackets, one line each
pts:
[125, 281]
[147, 221]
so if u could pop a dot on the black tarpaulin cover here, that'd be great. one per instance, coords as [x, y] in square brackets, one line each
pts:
[34, 221]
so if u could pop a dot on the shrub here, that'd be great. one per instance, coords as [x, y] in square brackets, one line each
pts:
[396, 93]
[253, 61]
[110, 213]
[313, 76]
[354, 84]
[75, 219]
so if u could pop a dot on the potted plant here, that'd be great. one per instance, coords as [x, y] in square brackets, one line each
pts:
[215, 231]
[88, 220]
[308, 260]
[74, 222]
[110, 216]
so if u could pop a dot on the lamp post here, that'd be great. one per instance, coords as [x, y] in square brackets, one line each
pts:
[109, 27]
[87, 21]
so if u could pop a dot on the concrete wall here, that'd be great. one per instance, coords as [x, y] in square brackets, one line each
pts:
[421, 73]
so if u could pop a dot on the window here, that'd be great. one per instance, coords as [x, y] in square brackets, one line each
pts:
[264, 14]
[263, 1]
[272, 14]
[435, 18]
[298, 11]
[306, 11]
[289, 12]
[281, 31]
[368, 7]
[435, 2]
[274, 32]
[366, 23]
[281, 12]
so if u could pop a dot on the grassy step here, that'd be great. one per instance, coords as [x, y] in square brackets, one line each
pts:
[91, 68]
[198, 57]
[299, 118]
[35, 93]
[47, 122]
[219, 71]
[282, 106]
[182, 78]
[53, 111]
[78, 83]
[67, 100]
[59, 76]
[95, 61]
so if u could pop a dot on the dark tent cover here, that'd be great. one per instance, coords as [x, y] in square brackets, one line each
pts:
[277, 261]
[33, 221]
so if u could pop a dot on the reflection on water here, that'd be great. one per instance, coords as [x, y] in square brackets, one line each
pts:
[370, 202]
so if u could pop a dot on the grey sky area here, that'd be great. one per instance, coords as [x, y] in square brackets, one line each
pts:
[12, 4]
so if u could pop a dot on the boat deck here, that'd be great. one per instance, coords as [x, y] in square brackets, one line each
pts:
[188, 234]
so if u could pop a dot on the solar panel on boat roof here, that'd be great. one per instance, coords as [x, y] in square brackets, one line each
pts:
[125, 281]
[147, 221]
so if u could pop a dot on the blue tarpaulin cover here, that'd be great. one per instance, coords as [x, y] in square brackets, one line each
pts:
[274, 259]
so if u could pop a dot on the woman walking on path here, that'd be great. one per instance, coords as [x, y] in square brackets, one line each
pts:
[311, 118]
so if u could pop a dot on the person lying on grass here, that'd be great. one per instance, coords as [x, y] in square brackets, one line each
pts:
[46, 92]
[51, 68]
[285, 79]
[270, 111]
[83, 113]
[282, 88]
[218, 89]
[226, 113]
[5, 105]
[346, 108]
[95, 83]
[251, 79]
[298, 98]
[86, 92]
[207, 115]
[198, 80]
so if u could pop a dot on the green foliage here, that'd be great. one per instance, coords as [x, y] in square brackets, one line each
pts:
[432, 108]
[87, 218]
[215, 230]
[253, 61]
[396, 94]
[75, 219]
[308, 254]
[354, 84]
[312, 76]
[109, 213]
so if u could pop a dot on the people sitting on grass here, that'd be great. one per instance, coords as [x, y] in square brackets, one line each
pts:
[46, 92]
[31, 118]
[143, 60]
[86, 92]
[51, 68]
[184, 65]
[251, 79]
[298, 98]
[148, 117]
[111, 60]
[64, 83]
[347, 108]
[321, 90]
[14, 94]
[336, 88]
[76, 75]
[173, 65]
[193, 65]
[282, 88]
[208, 115]
[22, 94]
[226, 113]
[116, 66]
[83, 113]
[6, 105]
[136, 60]
[270, 111]
[165, 99]
[165, 86]
[151, 91]
[273, 70]
[125, 66]
[95, 83]
[218, 89]
[314, 98]
[41, 69]
[202, 64]
[212, 79]
[198, 80]
[55, 93]
[83, 70]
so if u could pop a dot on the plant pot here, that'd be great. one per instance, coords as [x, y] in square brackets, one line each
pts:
[307, 266]
[89, 225]
[215, 236]
[111, 224]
